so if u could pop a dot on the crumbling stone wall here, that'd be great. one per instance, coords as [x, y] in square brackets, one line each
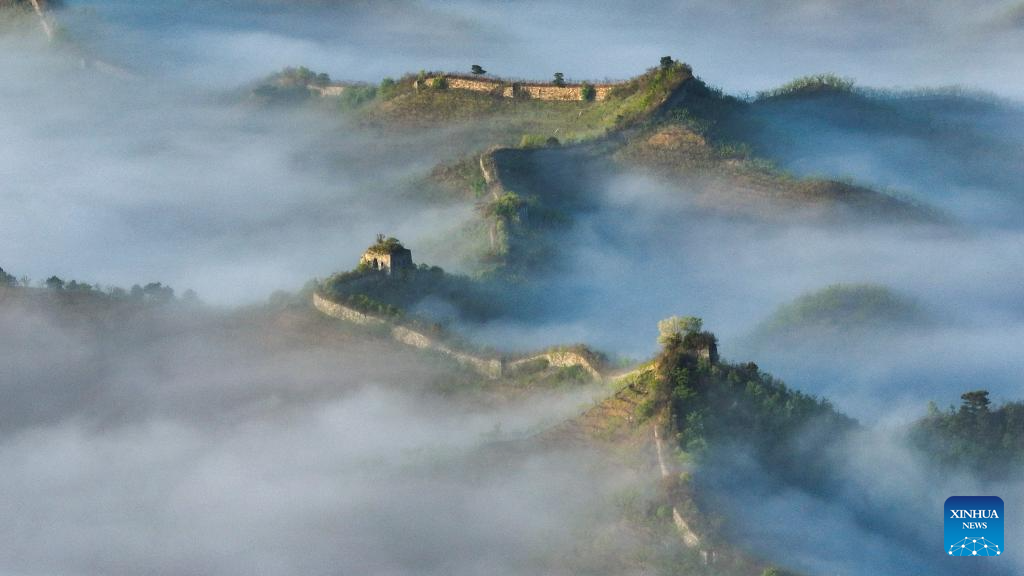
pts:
[535, 90]
[331, 90]
[559, 359]
[486, 366]
[342, 312]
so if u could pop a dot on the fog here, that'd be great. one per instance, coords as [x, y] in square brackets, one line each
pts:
[647, 253]
[191, 187]
[741, 45]
[192, 443]
[874, 516]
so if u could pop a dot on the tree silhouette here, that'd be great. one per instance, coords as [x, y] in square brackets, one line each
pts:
[975, 402]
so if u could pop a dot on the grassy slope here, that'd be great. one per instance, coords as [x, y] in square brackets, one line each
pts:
[697, 142]
[663, 122]
[667, 124]
[839, 311]
[503, 121]
[938, 137]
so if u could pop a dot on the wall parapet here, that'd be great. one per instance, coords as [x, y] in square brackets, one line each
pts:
[327, 91]
[490, 367]
[342, 312]
[509, 89]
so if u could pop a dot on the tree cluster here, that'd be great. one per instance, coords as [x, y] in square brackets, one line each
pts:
[974, 437]
[715, 405]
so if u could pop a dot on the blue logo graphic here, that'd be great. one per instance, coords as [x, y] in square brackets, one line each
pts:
[974, 526]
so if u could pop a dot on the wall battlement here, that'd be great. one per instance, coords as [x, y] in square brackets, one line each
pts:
[510, 89]
[487, 366]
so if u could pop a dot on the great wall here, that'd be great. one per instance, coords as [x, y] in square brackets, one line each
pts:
[488, 366]
[493, 86]
[511, 89]
[328, 90]
[616, 420]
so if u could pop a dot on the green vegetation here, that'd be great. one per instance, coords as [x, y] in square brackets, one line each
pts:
[357, 95]
[587, 92]
[290, 86]
[477, 70]
[498, 117]
[974, 437]
[815, 85]
[638, 98]
[462, 179]
[303, 76]
[385, 245]
[841, 309]
[675, 327]
[388, 87]
[153, 292]
[537, 141]
[509, 207]
[715, 404]
[559, 79]
[394, 295]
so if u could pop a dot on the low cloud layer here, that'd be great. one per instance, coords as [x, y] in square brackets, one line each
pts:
[222, 444]
[142, 180]
[878, 514]
[191, 445]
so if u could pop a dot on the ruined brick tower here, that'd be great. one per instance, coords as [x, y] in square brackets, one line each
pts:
[387, 255]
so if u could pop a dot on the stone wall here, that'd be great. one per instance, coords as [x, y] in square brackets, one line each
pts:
[342, 312]
[569, 92]
[487, 366]
[559, 359]
[326, 91]
[471, 84]
[537, 91]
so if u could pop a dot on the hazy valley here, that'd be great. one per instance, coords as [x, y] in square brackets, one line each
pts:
[399, 313]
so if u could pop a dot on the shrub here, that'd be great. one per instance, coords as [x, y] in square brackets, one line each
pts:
[507, 206]
[355, 96]
[387, 89]
[587, 92]
[439, 83]
[533, 141]
[677, 327]
[815, 85]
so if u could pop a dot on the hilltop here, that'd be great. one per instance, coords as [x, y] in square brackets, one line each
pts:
[840, 311]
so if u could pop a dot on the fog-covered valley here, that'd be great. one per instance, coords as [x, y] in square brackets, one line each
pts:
[242, 431]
